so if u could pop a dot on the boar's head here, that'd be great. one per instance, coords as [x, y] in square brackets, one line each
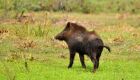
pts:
[66, 33]
[70, 30]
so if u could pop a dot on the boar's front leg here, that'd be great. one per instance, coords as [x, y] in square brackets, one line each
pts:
[82, 60]
[72, 55]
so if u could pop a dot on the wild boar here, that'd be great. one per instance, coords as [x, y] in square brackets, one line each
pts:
[84, 42]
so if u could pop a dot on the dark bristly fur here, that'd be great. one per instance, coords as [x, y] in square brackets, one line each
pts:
[83, 42]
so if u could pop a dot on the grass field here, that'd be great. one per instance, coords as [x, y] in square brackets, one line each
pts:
[28, 50]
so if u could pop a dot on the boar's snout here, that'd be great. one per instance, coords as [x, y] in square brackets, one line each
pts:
[56, 37]
[59, 36]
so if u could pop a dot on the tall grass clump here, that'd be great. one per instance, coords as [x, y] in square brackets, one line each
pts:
[39, 31]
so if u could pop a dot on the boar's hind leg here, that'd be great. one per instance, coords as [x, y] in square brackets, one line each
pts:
[72, 55]
[99, 51]
[82, 60]
[94, 60]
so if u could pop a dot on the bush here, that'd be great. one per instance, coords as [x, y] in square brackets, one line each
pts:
[85, 6]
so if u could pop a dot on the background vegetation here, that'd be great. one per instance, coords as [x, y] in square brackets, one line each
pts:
[28, 50]
[84, 6]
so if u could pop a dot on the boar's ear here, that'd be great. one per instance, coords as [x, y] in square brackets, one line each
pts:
[68, 25]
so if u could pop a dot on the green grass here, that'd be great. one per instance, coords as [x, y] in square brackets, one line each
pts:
[56, 69]
[48, 58]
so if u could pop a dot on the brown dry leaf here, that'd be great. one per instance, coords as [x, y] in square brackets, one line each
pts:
[117, 40]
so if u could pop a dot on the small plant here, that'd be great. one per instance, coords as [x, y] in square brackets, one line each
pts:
[39, 31]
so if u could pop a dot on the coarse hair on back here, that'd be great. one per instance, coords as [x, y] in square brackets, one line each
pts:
[76, 27]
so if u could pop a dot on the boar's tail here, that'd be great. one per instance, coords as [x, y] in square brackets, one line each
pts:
[108, 48]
